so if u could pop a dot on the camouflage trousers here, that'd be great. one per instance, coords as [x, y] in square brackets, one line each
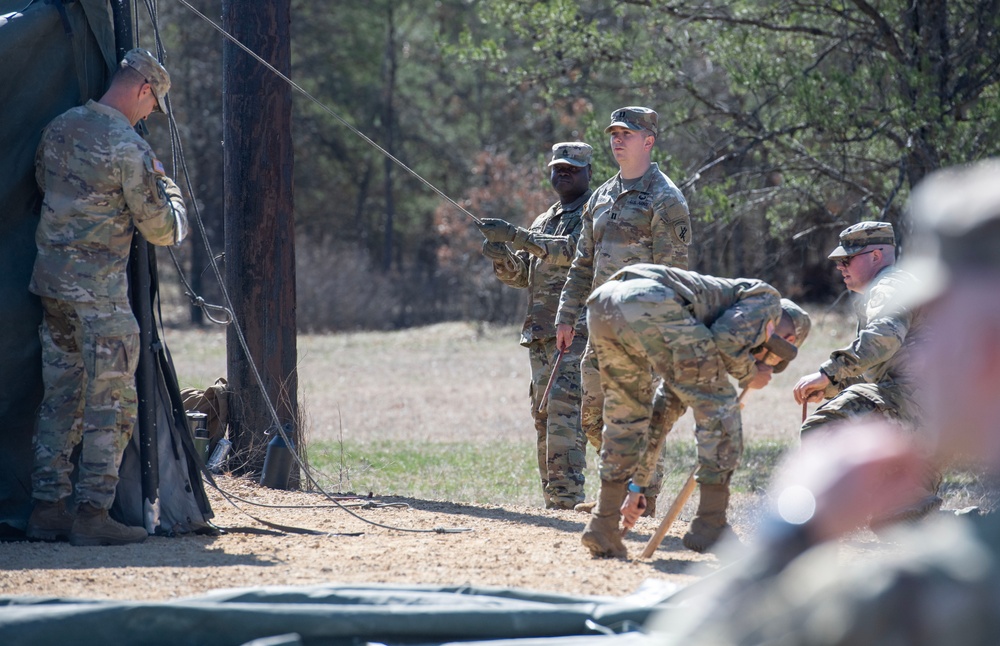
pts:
[889, 401]
[89, 356]
[637, 327]
[592, 411]
[893, 403]
[561, 443]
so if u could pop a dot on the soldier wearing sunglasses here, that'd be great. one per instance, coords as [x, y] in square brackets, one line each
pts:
[875, 374]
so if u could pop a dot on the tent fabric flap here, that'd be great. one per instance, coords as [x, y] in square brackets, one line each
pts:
[346, 614]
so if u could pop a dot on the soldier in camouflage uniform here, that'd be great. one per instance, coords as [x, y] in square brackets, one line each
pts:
[101, 181]
[638, 215]
[875, 375]
[539, 263]
[692, 331]
[941, 585]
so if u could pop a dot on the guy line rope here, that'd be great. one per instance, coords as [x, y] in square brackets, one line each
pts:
[180, 160]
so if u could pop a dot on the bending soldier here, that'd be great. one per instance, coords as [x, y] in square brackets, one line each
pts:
[692, 331]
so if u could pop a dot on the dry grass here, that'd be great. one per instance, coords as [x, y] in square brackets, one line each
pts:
[456, 382]
[373, 395]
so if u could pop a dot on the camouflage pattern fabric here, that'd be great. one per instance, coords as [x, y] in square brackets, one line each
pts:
[592, 412]
[882, 356]
[101, 180]
[945, 590]
[89, 356]
[854, 402]
[541, 269]
[561, 445]
[641, 322]
[648, 223]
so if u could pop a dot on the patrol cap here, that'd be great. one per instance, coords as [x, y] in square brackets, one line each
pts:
[956, 228]
[574, 153]
[856, 237]
[155, 74]
[633, 118]
[800, 319]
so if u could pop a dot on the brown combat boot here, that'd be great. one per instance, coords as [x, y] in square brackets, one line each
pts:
[585, 507]
[602, 535]
[93, 526]
[50, 521]
[709, 524]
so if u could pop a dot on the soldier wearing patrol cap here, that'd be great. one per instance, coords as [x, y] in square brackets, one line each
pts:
[152, 72]
[876, 374]
[539, 261]
[637, 216]
[101, 181]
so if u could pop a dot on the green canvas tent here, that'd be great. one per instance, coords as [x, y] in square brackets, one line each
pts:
[55, 55]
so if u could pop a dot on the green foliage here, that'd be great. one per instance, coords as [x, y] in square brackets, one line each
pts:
[814, 115]
[783, 121]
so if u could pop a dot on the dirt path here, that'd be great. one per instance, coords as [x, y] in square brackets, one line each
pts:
[524, 547]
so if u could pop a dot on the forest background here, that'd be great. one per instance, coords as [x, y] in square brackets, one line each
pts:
[782, 121]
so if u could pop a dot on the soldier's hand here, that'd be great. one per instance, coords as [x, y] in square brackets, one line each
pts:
[810, 388]
[763, 377]
[632, 508]
[564, 337]
[497, 230]
[495, 250]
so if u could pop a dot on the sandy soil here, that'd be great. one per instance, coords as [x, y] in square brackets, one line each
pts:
[423, 383]
[523, 547]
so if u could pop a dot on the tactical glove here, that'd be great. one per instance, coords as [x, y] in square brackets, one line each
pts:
[495, 250]
[497, 230]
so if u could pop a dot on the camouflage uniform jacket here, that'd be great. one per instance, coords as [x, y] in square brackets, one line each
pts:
[648, 223]
[882, 352]
[735, 310]
[942, 587]
[541, 267]
[100, 180]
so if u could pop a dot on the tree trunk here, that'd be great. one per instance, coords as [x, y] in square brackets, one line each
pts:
[260, 233]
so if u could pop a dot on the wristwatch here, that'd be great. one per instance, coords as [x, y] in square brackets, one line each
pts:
[634, 488]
